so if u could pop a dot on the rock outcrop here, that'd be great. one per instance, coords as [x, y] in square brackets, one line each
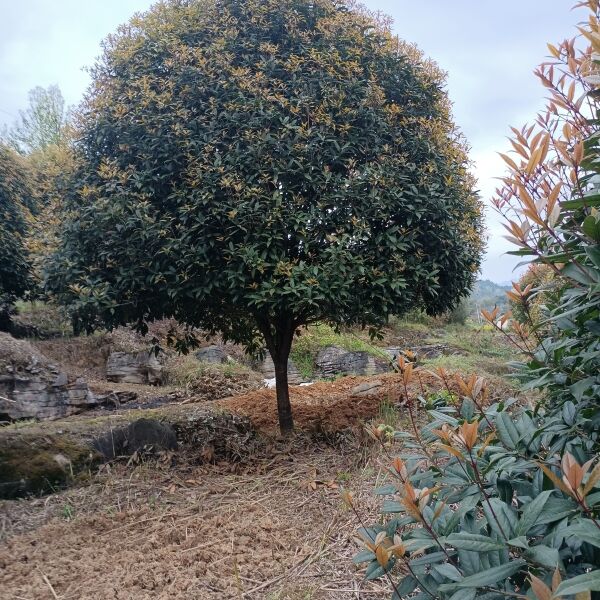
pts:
[134, 367]
[32, 387]
[212, 354]
[143, 434]
[333, 360]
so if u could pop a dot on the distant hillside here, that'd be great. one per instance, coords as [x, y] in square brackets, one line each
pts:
[487, 294]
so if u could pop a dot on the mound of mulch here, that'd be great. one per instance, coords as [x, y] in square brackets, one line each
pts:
[214, 384]
[326, 405]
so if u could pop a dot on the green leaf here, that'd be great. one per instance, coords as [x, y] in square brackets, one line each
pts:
[591, 228]
[464, 595]
[581, 387]
[592, 200]
[507, 430]
[586, 531]
[385, 490]
[580, 273]
[594, 254]
[543, 555]
[407, 586]
[375, 570]
[500, 517]
[428, 559]
[531, 513]
[449, 571]
[488, 577]
[363, 556]
[582, 583]
[474, 542]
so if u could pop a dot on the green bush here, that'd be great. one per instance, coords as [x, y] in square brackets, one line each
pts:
[15, 266]
[501, 501]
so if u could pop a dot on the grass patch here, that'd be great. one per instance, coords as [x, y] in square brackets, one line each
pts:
[186, 369]
[44, 318]
[315, 337]
[476, 340]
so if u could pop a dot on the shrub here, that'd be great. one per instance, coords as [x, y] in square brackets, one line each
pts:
[544, 288]
[497, 502]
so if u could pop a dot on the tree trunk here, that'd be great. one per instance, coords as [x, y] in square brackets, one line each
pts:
[284, 408]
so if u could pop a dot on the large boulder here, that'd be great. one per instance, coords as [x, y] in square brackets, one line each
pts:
[333, 360]
[134, 367]
[33, 387]
[143, 434]
[212, 354]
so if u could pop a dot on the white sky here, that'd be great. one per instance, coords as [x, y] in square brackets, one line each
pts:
[488, 48]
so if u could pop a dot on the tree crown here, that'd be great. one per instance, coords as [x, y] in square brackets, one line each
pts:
[258, 165]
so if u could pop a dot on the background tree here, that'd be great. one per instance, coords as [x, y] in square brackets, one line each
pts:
[43, 123]
[252, 167]
[43, 135]
[15, 193]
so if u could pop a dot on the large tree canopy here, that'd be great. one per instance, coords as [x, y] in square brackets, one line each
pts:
[251, 166]
[15, 195]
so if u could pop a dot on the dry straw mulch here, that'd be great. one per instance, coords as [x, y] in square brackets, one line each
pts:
[274, 528]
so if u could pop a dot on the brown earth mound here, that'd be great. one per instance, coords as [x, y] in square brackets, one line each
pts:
[330, 406]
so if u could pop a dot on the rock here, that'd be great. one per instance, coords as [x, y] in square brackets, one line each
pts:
[333, 360]
[41, 463]
[421, 352]
[33, 388]
[212, 354]
[134, 367]
[116, 398]
[267, 368]
[143, 434]
[368, 388]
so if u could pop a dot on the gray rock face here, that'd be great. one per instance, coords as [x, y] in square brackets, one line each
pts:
[36, 392]
[267, 368]
[212, 354]
[143, 434]
[137, 367]
[332, 361]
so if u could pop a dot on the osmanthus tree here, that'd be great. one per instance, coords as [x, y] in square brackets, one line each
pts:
[251, 167]
[15, 195]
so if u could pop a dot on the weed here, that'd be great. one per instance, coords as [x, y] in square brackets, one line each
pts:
[67, 512]
[388, 413]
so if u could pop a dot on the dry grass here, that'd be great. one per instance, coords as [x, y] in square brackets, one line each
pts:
[211, 381]
[273, 528]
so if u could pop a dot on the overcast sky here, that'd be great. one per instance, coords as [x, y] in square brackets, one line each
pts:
[488, 48]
